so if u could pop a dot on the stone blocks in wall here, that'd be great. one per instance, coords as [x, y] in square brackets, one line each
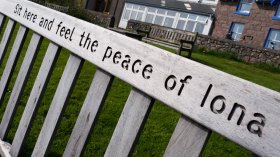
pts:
[100, 18]
[243, 52]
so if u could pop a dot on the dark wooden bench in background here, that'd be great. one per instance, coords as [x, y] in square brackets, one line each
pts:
[168, 37]
[207, 99]
[183, 40]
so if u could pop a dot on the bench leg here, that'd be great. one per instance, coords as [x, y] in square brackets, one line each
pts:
[179, 50]
[190, 54]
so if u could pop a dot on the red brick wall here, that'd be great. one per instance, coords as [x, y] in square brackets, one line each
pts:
[257, 24]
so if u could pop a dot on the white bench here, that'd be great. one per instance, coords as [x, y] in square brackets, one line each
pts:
[243, 112]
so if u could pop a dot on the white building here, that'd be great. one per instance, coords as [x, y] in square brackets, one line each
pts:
[189, 15]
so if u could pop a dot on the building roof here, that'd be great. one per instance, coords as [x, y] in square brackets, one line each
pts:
[181, 5]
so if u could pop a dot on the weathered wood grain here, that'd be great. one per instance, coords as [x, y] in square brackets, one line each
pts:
[65, 86]
[6, 39]
[35, 97]
[130, 124]
[88, 114]
[240, 110]
[12, 61]
[20, 83]
[188, 139]
[2, 20]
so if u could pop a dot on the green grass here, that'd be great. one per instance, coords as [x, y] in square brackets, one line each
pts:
[160, 124]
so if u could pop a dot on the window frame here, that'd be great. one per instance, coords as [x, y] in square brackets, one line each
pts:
[277, 17]
[267, 39]
[187, 19]
[168, 16]
[240, 12]
[231, 28]
[132, 9]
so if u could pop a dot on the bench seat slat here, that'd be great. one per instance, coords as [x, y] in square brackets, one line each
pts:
[35, 97]
[64, 89]
[188, 139]
[86, 120]
[130, 124]
[12, 60]
[2, 20]
[6, 39]
[20, 83]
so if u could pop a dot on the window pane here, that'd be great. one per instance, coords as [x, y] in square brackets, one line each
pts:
[168, 22]
[192, 17]
[202, 18]
[171, 13]
[240, 28]
[273, 40]
[126, 14]
[268, 44]
[184, 15]
[276, 46]
[272, 34]
[129, 6]
[234, 28]
[149, 18]
[199, 28]
[161, 11]
[236, 31]
[135, 7]
[142, 8]
[139, 16]
[158, 20]
[245, 7]
[278, 11]
[236, 36]
[190, 26]
[181, 24]
[277, 36]
[152, 10]
[133, 15]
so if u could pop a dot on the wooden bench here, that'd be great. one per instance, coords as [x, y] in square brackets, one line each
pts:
[169, 37]
[165, 36]
[208, 99]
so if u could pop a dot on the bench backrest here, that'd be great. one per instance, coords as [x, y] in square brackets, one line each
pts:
[243, 112]
[138, 26]
[171, 35]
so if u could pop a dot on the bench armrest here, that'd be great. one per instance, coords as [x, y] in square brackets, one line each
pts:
[145, 32]
[187, 41]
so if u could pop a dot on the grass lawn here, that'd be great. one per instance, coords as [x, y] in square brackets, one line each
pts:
[161, 121]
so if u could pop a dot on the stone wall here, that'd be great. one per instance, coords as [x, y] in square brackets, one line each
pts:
[246, 53]
[103, 20]
[100, 19]
[57, 7]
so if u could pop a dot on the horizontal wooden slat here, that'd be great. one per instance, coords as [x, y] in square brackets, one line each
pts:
[65, 86]
[6, 39]
[12, 60]
[249, 115]
[188, 139]
[35, 97]
[20, 83]
[130, 124]
[86, 120]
